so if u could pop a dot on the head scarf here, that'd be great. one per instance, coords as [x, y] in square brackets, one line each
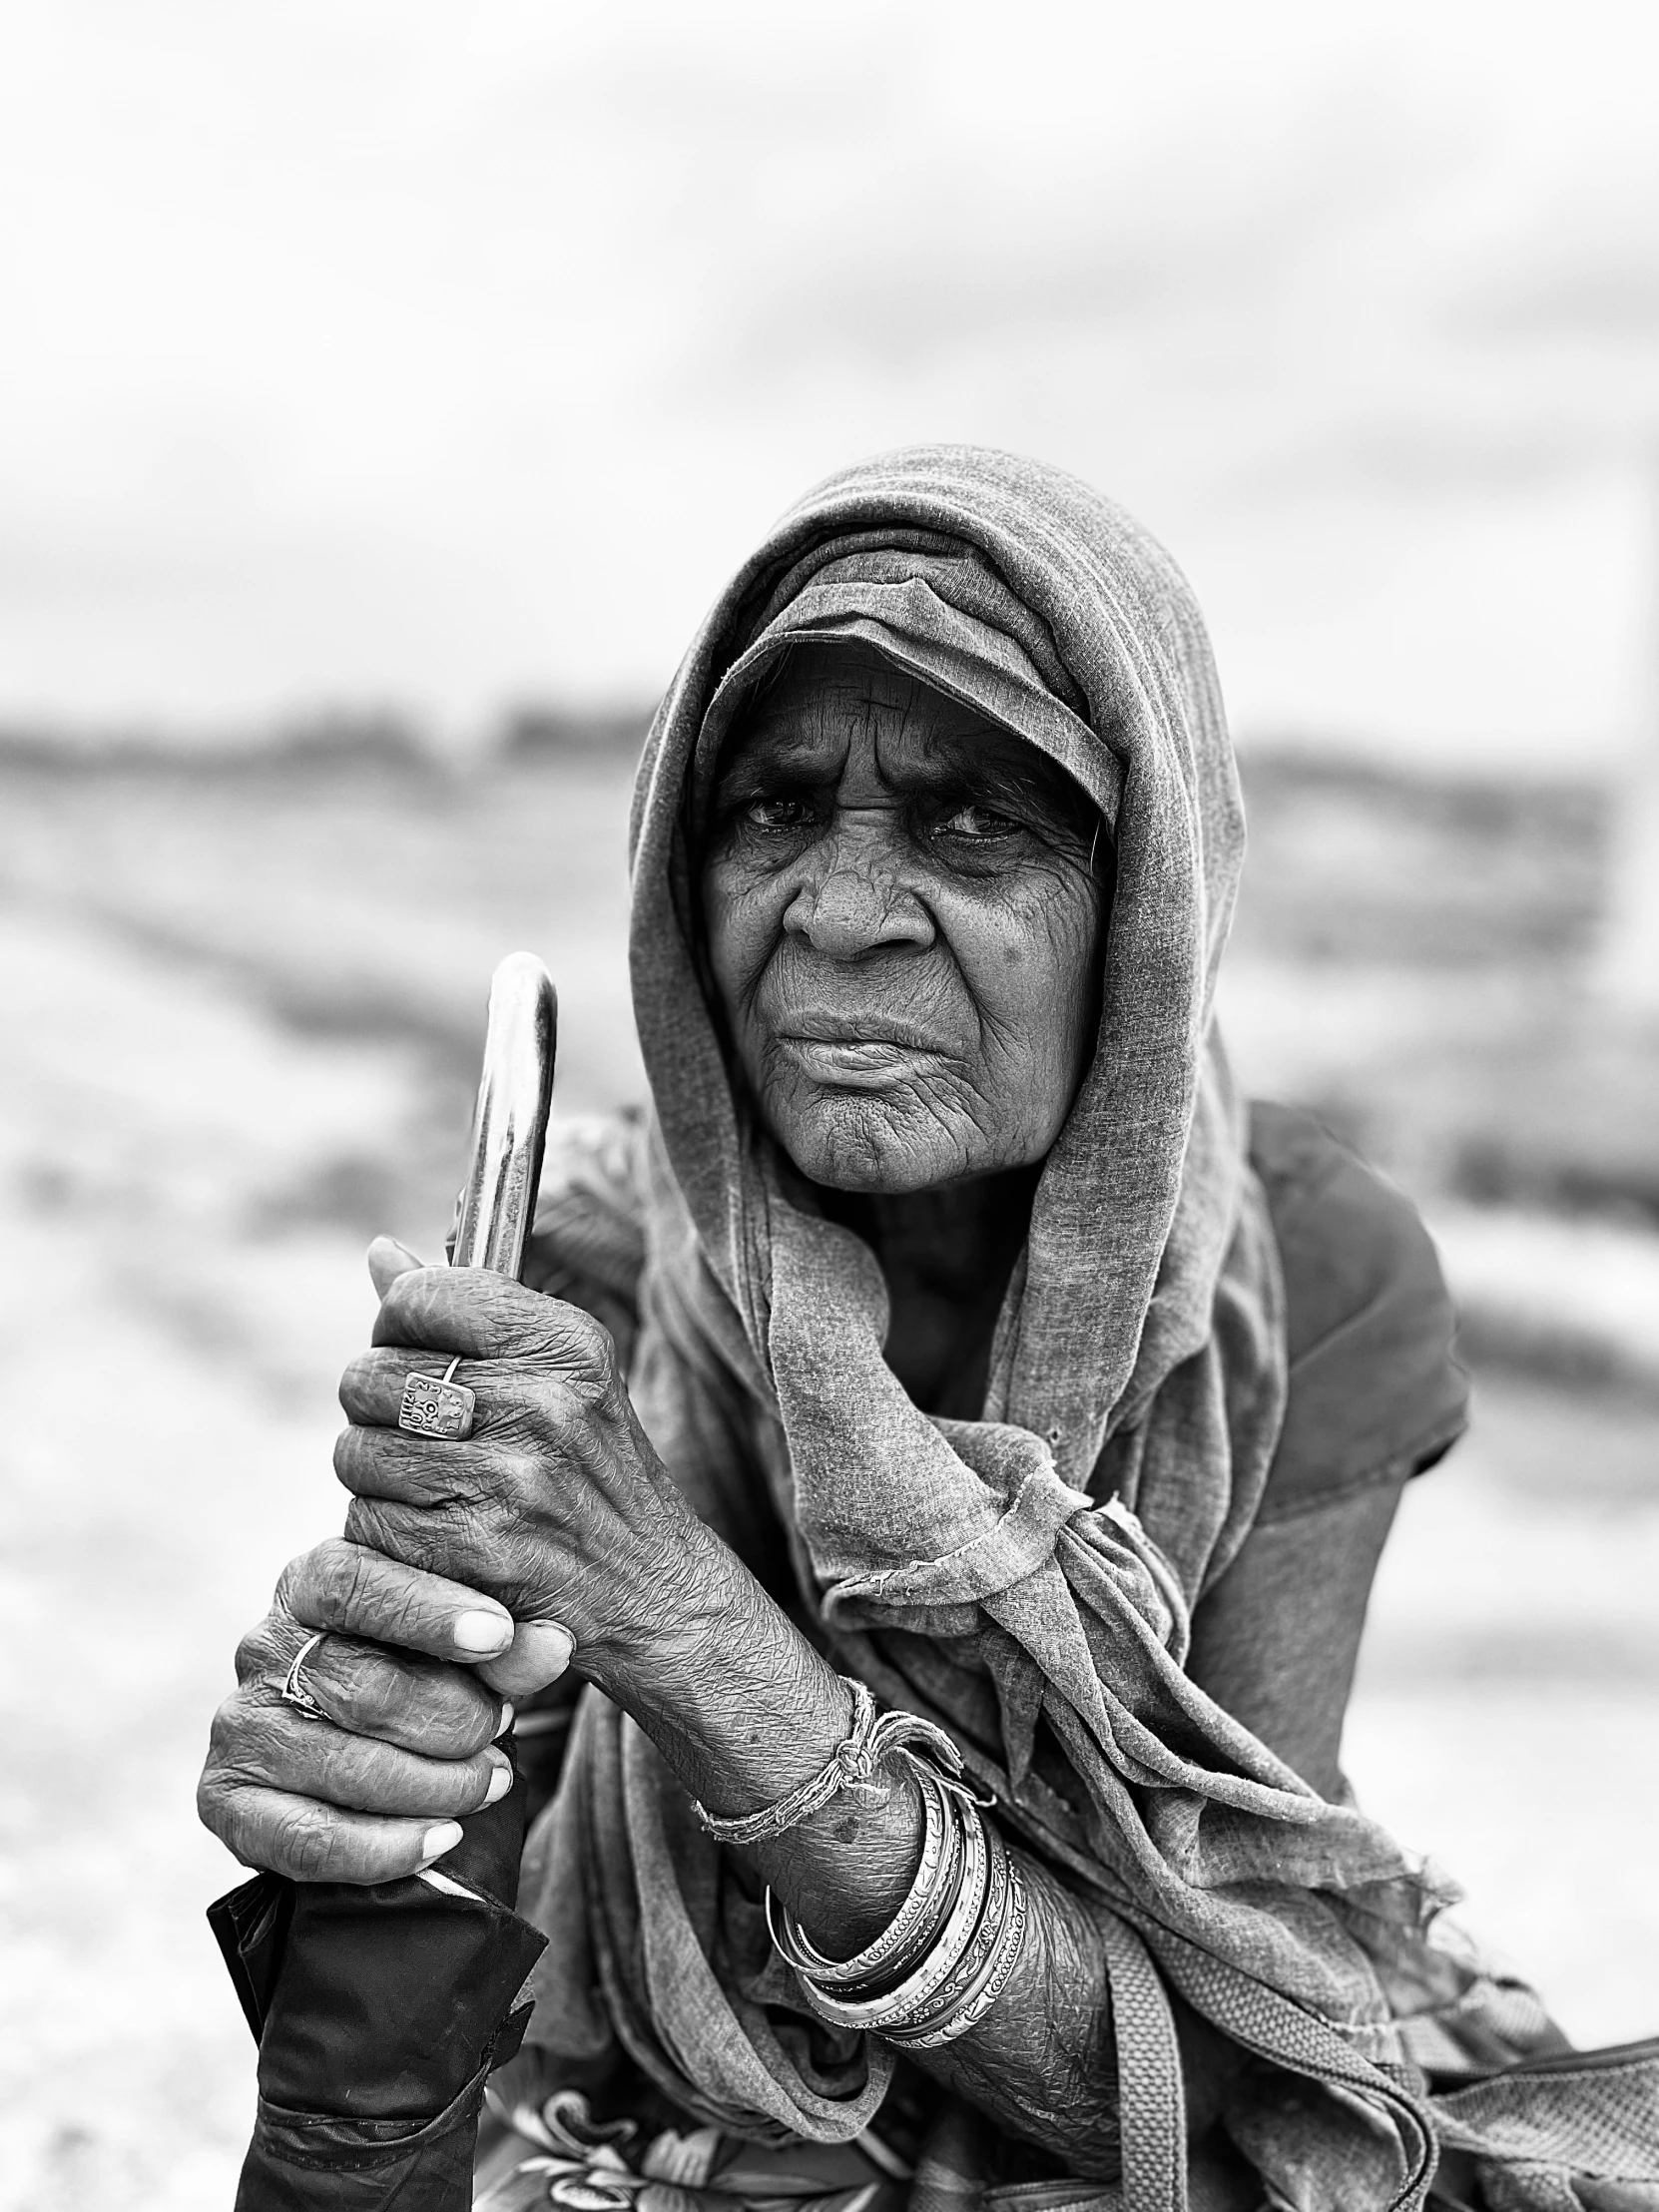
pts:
[1145, 1320]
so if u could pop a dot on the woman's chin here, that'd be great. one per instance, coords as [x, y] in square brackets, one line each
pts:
[858, 1142]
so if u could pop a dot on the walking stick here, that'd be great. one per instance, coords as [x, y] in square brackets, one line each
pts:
[510, 1128]
[382, 2009]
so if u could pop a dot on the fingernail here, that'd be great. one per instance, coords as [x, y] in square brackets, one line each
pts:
[506, 1720]
[437, 1841]
[547, 1643]
[501, 1781]
[482, 1632]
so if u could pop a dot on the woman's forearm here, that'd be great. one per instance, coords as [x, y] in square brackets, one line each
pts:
[743, 1708]
[751, 1710]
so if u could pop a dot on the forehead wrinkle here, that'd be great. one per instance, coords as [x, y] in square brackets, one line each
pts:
[941, 739]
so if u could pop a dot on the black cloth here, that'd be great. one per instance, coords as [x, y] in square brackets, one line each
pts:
[380, 2010]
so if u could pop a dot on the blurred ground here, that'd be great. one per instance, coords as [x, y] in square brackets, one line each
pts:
[243, 1011]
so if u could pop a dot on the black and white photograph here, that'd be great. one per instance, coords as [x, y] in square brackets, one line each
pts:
[829, 1106]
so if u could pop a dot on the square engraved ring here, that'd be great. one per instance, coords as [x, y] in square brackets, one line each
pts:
[437, 1405]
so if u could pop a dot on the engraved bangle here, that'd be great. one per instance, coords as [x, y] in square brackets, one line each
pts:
[911, 1930]
[935, 1902]
[977, 2002]
[920, 1919]
[978, 1964]
[915, 1994]
[912, 1997]
[976, 1961]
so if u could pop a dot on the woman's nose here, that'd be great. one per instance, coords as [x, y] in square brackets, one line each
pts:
[852, 904]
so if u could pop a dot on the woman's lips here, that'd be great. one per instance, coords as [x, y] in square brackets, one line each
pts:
[863, 1054]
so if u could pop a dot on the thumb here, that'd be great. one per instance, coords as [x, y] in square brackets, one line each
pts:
[538, 1654]
[387, 1259]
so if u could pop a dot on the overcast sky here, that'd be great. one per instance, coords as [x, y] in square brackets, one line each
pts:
[445, 356]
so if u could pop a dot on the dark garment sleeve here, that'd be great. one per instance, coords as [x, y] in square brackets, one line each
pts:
[1375, 1391]
[1277, 1639]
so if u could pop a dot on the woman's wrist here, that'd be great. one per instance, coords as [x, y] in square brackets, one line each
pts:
[736, 1698]
[743, 1708]
[675, 1607]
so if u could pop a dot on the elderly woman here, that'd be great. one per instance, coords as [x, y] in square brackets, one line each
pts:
[960, 1540]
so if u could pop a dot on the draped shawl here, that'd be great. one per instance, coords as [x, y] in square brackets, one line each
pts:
[1026, 1578]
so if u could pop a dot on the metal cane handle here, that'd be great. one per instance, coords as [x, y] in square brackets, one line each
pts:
[497, 1205]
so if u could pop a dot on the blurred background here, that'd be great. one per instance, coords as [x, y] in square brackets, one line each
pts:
[386, 391]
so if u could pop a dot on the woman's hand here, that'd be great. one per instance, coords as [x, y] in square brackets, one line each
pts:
[556, 1504]
[409, 1675]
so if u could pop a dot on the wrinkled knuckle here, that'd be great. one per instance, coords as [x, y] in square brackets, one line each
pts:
[210, 1782]
[254, 1746]
[357, 1379]
[316, 1596]
[337, 1761]
[418, 1540]
[474, 1543]
[374, 1686]
[291, 1581]
[456, 1734]
[226, 1726]
[308, 1842]
[587, 1391]
[367, 1524]
[398, 1613]
[438, 1712]
[592, 1353]
[485, 1493]
[456, 1536]
[255, 1653]
[215, 1805]
[395, 1695]
[353, 1586]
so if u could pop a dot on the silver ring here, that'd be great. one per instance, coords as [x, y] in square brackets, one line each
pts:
[437, 1405]
[296, 1690]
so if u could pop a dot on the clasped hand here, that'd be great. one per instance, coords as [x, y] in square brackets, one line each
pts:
[469, 1574]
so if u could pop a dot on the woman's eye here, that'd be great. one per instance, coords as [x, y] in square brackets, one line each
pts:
[978, 824]
[778, 813]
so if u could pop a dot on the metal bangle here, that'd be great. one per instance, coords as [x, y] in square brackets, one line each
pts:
[914, 1994]
[928, 1930]
[965, 1976]
[892, 1951]
[974, 2005]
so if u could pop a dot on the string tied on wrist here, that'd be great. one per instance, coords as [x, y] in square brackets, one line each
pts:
[853, 1767]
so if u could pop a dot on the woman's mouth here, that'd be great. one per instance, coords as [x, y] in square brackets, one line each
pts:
[857, 1054]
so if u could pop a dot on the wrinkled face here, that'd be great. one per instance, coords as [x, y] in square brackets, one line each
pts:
[903, 923]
